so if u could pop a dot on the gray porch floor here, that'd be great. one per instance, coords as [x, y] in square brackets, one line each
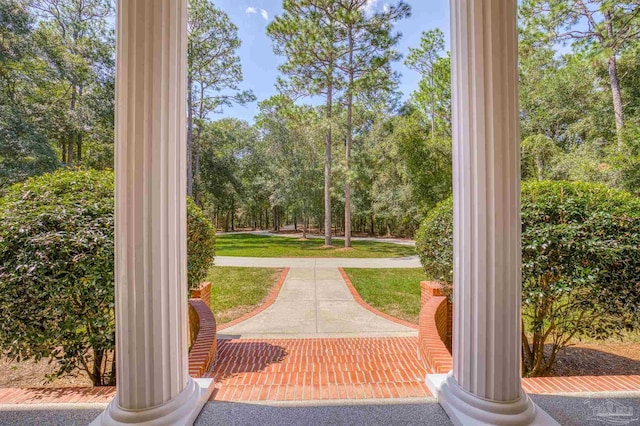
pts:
[569, 410]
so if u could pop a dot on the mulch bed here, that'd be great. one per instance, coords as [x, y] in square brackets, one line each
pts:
[33, 374]
[598, 359]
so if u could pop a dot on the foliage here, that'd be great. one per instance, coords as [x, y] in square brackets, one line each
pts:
[580, 261]
[306, 35]
[366, 65]
[538, 152]
[75, 66]
[56, 270]
[434, 244]
[290, 145]
[24, 150]
[214, 74]
[433, 96]
[201, 241]
[602, 29]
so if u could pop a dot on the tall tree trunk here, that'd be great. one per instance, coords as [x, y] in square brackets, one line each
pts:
[304, 227]
[196, 173]
[433, 107]
[71, 144]
[189, 136]
[347, 182]
[96, 375]
[372, 231]
[616, 93]
[327, 172]
[275, 218]
[63, 149]
[79, 147]
[540, 167]
[196, 148]
[79, 135]
[617, 99]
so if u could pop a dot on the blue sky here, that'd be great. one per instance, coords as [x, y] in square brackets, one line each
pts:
[260, 65]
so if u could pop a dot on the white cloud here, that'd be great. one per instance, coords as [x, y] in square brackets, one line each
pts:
[385, 7]
[370, 6]
[253, 10]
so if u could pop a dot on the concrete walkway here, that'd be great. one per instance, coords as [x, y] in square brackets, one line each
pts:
[314, 302]
[318, 263]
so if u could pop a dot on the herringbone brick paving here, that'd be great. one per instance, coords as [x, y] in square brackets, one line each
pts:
[313, 369]
[318, 369]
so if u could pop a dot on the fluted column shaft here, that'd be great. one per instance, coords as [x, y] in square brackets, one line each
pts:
[486, 187]
[150, 235]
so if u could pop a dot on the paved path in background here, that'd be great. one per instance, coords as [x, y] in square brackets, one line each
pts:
[314, 302]
[318, 263]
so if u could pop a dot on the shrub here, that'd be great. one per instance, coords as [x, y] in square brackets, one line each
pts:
[580, 264]
[56, 270]
[201, 240]
[434, 244]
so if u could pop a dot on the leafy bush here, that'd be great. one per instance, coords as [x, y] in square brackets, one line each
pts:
[434, 244]
[580, 264]
[56, 270]
[201, 241]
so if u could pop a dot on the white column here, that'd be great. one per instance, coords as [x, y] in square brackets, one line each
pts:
[485, 384]
[153, 383]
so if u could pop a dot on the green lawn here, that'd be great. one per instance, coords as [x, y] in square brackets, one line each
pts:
[249, 245]
[393, 291]
[236, 291]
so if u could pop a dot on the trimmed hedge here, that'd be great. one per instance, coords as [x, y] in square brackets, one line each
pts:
[201, 241]
[580, 263]
[56, 269]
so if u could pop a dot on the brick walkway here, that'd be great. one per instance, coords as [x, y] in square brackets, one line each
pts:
[318, 369]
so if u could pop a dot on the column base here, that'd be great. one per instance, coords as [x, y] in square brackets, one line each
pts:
[464, 408]
[181, 410]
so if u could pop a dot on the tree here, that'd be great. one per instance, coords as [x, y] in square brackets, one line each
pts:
[604, 28]
[213, 77]
[580, 262]
[306, 34]
[366, 65]
[434, 89]
[24, 150]
[291, 146]
[77, 46]
[537, 152]
[223, 144]
[57, 270]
